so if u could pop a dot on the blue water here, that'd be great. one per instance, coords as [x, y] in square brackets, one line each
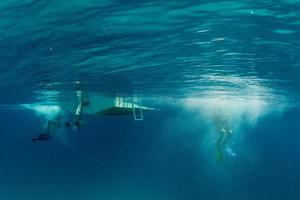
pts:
[193, 60]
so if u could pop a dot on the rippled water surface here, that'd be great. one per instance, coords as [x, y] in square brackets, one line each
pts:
[175, 48]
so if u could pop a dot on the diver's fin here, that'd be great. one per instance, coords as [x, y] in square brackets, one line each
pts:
[41, 137]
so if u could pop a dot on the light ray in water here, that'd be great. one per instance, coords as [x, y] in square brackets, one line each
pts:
[50, 111]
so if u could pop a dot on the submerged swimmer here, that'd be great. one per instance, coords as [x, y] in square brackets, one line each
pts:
[80, 103]
[225, 133]
[52, 127]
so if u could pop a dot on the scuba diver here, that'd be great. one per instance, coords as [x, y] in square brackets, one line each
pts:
[52, 127]
[225, 133]
[80, 104]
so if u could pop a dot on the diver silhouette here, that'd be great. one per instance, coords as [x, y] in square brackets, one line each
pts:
[222, 128]
[52, 127]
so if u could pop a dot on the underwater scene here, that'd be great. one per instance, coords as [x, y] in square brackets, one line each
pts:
[150, 100]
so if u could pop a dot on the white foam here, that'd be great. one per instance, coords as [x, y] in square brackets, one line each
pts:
[49, 111]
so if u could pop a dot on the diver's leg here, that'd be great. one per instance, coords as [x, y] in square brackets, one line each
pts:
[52, 126]
[79, 98]
[220, 141]
[78, 114]
[78, 111]
[79, 104]
[48, 133]
[227, 137]
[220, 146]
[51, 129]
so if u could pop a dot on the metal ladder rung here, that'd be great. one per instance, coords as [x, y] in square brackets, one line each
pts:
[141, 116]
